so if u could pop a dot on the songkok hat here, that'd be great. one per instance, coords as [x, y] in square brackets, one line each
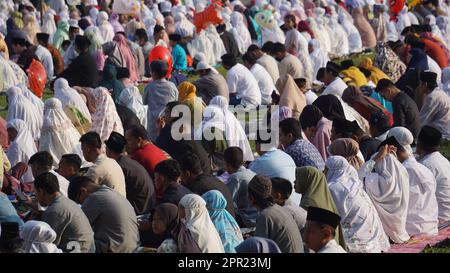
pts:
[333, 67]
[43, 37]
[343, 125]
[430, 137]
[428, 77]
[403, 136]
[116, 142]
[261, 185]
[323, 216]
[390, 141]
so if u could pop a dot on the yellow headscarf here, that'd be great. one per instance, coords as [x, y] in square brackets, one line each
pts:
[356, 75]
[375, 73]
[187, 91]
[187, 95]
[4, 47]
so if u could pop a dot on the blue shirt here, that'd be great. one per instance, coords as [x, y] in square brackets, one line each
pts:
[179, 58]
[276, 163]
[305, 154]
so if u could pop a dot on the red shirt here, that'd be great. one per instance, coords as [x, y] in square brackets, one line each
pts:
[149, 156]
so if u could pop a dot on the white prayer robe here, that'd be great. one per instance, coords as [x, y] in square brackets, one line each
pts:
[332, 247]
[265, 83]
[440, 167]
[361, 225]
[423, 208]
[46, 59]
[336, 88]
[132, 99]
[435, 111]
[388, 188]
[242, 82]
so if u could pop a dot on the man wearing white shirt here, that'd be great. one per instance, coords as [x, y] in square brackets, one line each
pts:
[266, 61]
[261, 75]
[335, 85]
[320, 230]
[41, 162]
[46, 59]
[427, 148]
[242, 84]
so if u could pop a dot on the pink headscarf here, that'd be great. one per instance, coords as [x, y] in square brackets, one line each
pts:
[105, 120]
[117, 26]
[127, 55]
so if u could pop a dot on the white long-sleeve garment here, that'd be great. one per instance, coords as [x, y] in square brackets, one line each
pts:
[440, 167]
[361, 225]
[240, 32]
[265, 83]
[132, 99]
[388, 188]
[70, 97]
[242, 83]
[435, 111]
[423, 208]
[46, 59]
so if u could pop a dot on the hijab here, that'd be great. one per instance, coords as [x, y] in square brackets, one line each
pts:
[315, 193]
[105, 119]
[110, 81]
[69, 97]
[330, 106]
[58, 136]
[389, 62]
[38, 237]
[226, 225]
[199, 223]
[127, 55]
[446, 80]
[375, 73]
[419, 59]
[117, 26]
[187, 94]
[176, 229]
[23, 146]
[132, 99]
[256, 244]
[290, 95]
[111, 50]
[105, 28]
[31, 28]
[61, 34]
[347, 148]
[352, 94]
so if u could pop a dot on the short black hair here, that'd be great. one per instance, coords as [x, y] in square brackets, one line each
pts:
[300, 82]
[76, 184]
[42, 159]
[380, 121]
[268, 47]
[282, 186]
[82, 43]
[159, 67]
[175, 37]
[72, 159]
[169, 168]
[365, 71]
[229, 59]
[47, 182]
[291, 126]
[252, 48]
[91, 139]
[221, 28]
[383, 84]
[138, 131]
[158, 29]
[320, 73]
[20, 41]
[278, 47]
[310, 116]
[65, 43]
[191, 162]
[234, 157]
[292, 18]
[426, 28]
[141, 33]
[249, 58]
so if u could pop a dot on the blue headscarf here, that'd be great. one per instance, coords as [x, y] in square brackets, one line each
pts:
[226, 225]
[7, 211]
[419, 59]
[258, 245]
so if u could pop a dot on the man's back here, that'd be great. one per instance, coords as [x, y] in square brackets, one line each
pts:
[173, 194]
[149, 156]
[278, 225]
[211, 85]
[82, 71]
[113, 220]
[70, 224]
[230, 43]
[139, 186]
[238, 186]
[291, 65]
[435, 111]
[207, 182]
[106, 171]
[406, 113]
[271, 65]
[242, 83]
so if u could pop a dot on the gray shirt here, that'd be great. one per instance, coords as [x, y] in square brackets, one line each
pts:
[298, 213]
[113, 220]
[237, 184]
[156, 95]
[70, 224]
[277, 224]
[211, 85]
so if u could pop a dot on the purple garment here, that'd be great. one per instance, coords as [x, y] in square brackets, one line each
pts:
[114, 20]
[258, 245]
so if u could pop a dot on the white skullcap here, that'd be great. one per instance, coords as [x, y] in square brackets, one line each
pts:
[403, 136]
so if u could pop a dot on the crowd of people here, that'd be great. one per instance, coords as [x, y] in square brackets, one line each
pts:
[349, 160]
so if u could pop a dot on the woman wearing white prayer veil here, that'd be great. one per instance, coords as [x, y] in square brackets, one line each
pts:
[198, 222]
[105, 27]
[105, 120]
[49, 25]
[319, 35]
[403, 20]
[202, 44]
[234, 133]
[216, 41]
[317, 56]
[340, 37]
[32, 97]
[354, 38]
[445, 79]
[388, 188]
[38, 237]
[361, 225]
[58, 136]
[240, 32]
[22, 146]
[19, 107]
[7, 75]
[69, 97]
[431, 20]
[183, 26]
[132, 99]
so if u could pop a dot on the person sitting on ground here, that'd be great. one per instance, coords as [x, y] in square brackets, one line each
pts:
[320, 231]
[379, 126]
[265, 83]
[167, 182]
[334, 84]
[139, 186]
[316, 128]
[273, 222]
[105, 171]
[266, 61]
[38, 237]
[237, 184]
[111, 216]
[178, 54]
[352, 72]
[210, 84]
[287, 63]
[281, 190]
[64, 216]
[310, 96]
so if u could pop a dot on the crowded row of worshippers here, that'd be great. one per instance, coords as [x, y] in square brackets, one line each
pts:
[356, 166]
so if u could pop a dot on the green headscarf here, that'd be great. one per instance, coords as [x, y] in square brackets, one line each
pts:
[313, 186]
[61, 34]
[110, 81]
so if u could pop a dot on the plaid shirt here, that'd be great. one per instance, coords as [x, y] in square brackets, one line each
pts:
[305, 154]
